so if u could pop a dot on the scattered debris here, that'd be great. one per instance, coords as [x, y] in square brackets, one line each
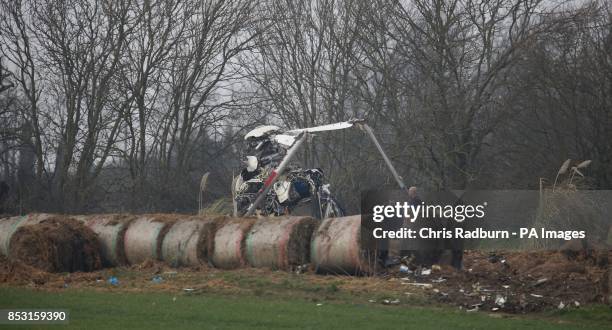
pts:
[301, 269]
[422, 285]
[500, 300]
[540, 282]
[578, 279]
[113, 281]
[391, 302]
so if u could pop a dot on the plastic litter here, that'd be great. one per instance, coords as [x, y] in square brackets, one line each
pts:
[113, 281]
[404, 269]
[391, 302]
[540, 282]
[157, 279]
[500, 300]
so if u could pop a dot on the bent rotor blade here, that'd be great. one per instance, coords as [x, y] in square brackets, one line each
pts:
[329, 127]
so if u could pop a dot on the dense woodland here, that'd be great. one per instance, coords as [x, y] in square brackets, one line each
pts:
[122, 105]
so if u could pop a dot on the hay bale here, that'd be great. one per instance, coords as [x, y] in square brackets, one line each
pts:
[9, 226]
[56, 244]
[18, 273]
[110, 229]
[189, 241]
[336, 247]
[144, 236]
[280, 242]
[230, 243]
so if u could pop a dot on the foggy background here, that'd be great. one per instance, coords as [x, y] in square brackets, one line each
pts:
[116, 106]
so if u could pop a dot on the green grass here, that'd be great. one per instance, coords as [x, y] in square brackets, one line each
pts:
[102, 310]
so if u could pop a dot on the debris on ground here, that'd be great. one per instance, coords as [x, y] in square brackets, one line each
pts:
[481, 286]
[391, 302]
[515, 281]
[113, 281]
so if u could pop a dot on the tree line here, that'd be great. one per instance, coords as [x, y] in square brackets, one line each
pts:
[123, 105]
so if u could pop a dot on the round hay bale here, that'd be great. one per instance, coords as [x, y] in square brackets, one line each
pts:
[189, 241]
[279, 242]
[110, 229]
[9, 226]
[229, 243]
[56, 244]
[143, 238]
[336, 247]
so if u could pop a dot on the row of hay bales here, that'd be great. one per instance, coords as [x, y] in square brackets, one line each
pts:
[332, 245]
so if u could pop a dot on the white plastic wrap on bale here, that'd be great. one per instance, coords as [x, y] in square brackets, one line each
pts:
[229, 244]
[110, 229]
[143, 238]
[336, 247]
[182, 245]
[9, 226]
[279, 242]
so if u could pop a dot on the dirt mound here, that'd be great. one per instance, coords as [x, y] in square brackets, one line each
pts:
[56, 245]
[522, 281]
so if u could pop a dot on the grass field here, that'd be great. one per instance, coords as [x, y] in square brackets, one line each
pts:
[106, 309]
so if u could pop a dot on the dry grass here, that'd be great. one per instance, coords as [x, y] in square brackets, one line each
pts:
[563, 207]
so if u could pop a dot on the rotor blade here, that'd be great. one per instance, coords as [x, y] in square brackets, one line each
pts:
[329, 127]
